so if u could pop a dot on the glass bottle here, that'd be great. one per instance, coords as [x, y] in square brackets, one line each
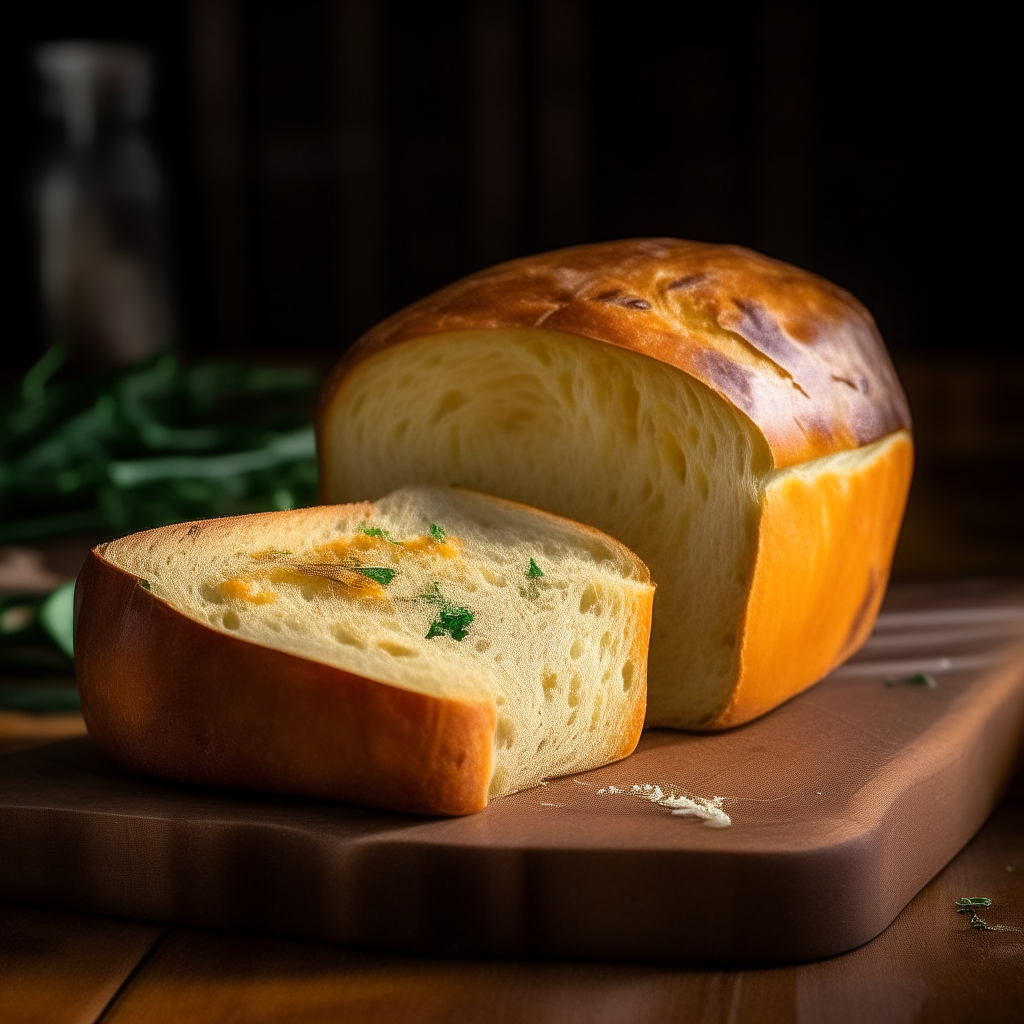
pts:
[99, 203]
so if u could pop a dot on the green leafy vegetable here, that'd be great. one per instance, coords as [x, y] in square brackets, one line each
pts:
[129, 449]
[28, 646]
[534, 572]
[376, 531]
[154, 444]
[379, 575]
[40, 698]
[437, 533]
[57, 616]
[451, 619]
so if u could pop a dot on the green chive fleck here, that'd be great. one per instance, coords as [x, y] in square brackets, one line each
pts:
[451, 620]
[145, 584]
[379, 575]
[533, 573]
[437, 533]
[376, 531]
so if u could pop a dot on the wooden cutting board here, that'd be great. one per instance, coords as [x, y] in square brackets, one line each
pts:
[843, 803]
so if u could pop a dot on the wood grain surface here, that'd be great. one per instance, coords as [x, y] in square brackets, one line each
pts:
[929, 966]
[59, 968]
[20, 730]
[844, 803]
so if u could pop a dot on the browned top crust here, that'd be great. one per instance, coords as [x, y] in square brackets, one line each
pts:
[800, 356]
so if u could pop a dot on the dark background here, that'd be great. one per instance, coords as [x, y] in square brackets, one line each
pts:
[329, 161]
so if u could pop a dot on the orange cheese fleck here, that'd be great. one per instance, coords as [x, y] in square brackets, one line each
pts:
[326, 565]
[358, 542]
[242, 590]
[447, 548]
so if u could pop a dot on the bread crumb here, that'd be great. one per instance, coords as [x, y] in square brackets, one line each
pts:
[708, 809]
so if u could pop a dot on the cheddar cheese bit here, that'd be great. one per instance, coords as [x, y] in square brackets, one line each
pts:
[342, 547]
[242, 590]
[418, 544]
[352, 578]
[447, 548]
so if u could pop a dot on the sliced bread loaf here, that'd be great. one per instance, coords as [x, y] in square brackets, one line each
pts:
[422, 653]
[735, 421]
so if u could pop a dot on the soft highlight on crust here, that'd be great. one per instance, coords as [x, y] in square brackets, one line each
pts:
[299, 726]
[798, 355]
[826, 543]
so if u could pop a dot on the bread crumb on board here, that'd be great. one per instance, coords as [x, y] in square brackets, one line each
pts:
[708, 809]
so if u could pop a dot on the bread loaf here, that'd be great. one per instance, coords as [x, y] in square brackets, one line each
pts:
[422, 653]
[732, 419]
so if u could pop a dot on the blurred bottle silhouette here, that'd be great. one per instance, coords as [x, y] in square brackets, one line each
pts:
[99, 199]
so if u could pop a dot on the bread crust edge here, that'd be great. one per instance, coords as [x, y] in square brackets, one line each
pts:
[165, 695]
[799, 356]
[812, 605]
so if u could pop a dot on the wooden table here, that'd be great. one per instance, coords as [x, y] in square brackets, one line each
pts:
[929, 965]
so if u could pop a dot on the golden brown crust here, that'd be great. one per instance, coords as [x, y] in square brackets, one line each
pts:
[161, 694]
[798, 355]
[633, 728]
[825, 549]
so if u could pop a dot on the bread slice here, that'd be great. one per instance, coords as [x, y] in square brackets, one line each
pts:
[733, 420]
[422, 653]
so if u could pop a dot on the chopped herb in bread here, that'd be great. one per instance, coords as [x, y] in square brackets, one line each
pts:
[365, 653]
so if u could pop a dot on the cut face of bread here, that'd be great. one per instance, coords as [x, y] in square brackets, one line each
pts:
[520, 638]
[766, 576]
